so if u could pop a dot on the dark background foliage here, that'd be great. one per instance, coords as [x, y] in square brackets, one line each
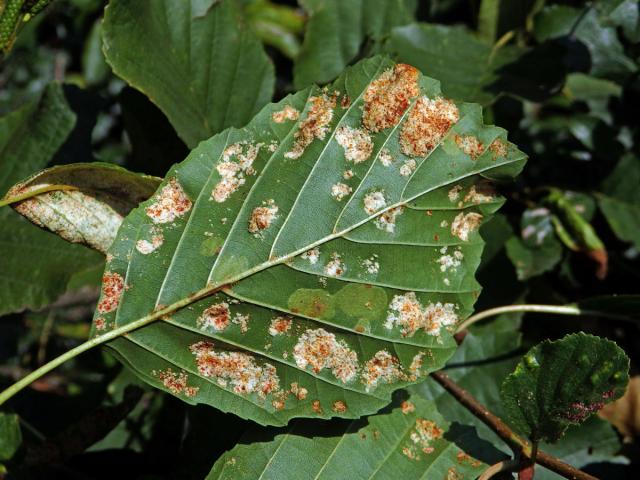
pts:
[560, 76]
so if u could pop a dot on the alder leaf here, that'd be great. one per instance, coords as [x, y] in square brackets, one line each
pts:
[412, 441]
[35, 266]
[562, 383]
[337, 30]
[200, 63]
[92, 211]
[322, 254]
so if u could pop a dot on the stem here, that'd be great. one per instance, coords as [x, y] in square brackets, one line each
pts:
[515, 442]
[95, 341]
[35, 192]
[493, 470]
[557, 309]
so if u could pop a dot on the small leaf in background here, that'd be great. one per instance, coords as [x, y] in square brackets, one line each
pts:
[557, 384]
[276, 25]
[576, 232]
[607, 54]
[336, 30]
[452, 54]
[407, 442]
[92, 211]
[205, 72]
[35, 265]
[399, 179]
[537, 249]
[10, 436]
[94, 66]
[620, 202]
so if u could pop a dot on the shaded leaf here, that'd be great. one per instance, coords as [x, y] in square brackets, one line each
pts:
[203, 67]
[91, 213]
[10, 435]
[536, 250]
[336, 31]
[35, 265]
[276, 25]
[412, 442]
[608, 59]
[560, 383]
[299, 246]
[465, 65]
[485, 357]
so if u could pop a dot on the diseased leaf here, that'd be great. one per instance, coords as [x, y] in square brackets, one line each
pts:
[198, 62]
[557, 384]
[35, 266]
[323, 253]
[412, 441]
[485, 357]
[336, 31]
[91, 213]
[10, 435]
[465, 65]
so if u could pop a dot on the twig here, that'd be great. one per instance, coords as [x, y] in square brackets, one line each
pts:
[572, 310]
[504, 466]
[515, 442]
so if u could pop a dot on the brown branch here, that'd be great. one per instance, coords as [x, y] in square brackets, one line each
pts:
[517, 443]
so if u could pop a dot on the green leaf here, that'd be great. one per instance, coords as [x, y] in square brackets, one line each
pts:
[35, 265]
[485, 357]
[608, 59]
[10, 435]
[103, 194]
[276, 25]
[410, 442]
[536, 250]
[298, 247]
[94, 67]
[203, 67]
[557, 384]
[588, 88]
[336, 31]
[620, 200]
[465, 65]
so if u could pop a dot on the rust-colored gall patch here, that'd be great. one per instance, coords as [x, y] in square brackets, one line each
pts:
[216, 316]
[280, 325]
[382, 367]
[316, 406]
[424, 433]
[287, 113]
[315, 125]
[464, 224]
[356, 142]
[407, 407]
[262, 217]
[374, 202]
[406, 312]
[482, 194]
[388, 97]
[146, 247]
[340, 190]
[235, 368]
[427, 124]
[176, 383]
[171, 203]
[470, 145]
[100, 324]
[237, 162]
[299, 392]
[112, 287]
[387, 221]
[339, 406]
[498, 149]
[335, 267]
[320, 349]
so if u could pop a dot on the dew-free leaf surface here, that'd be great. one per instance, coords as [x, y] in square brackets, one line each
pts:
[412, 441]
[204, 67]
[562, 383]
[35, 266]
[316, 260]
